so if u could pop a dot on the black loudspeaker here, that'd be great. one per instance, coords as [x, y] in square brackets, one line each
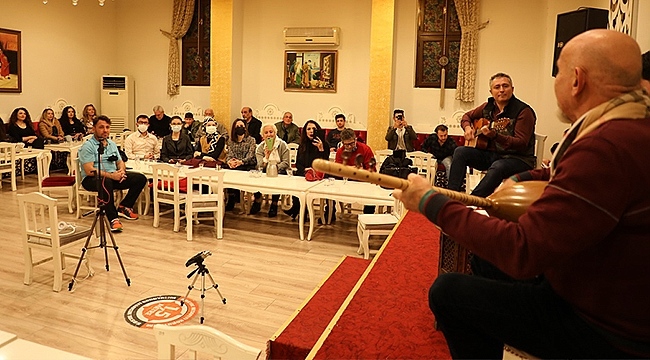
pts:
[575, 22]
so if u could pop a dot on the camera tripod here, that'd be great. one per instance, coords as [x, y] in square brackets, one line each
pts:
[102, 220]
[201, 270]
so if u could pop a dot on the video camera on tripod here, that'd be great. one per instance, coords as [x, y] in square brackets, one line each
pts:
[198, 258]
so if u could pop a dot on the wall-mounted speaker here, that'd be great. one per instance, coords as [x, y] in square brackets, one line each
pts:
[575, 22]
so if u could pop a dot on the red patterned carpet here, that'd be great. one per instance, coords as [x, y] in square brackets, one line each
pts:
[299, 337]
[389, 317]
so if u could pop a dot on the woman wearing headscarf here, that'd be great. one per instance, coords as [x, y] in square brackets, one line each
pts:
[211, 145]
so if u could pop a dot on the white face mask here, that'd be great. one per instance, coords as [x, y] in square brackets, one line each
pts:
[176, 128]
[211, 129]
[143, 128]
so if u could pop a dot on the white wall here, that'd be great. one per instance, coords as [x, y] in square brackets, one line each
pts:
[65, 50]
[263, 56]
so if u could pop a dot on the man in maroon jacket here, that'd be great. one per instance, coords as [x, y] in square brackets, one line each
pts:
[588, 234]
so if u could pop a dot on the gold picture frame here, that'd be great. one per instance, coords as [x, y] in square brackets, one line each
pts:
[11, 79]
[320, 66]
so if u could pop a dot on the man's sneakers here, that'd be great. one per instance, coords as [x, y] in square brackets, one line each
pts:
[116, 225]
[127, 213]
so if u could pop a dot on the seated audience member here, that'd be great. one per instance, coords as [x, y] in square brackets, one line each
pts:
[240, 156]
[159, 122]
[49, 126]
[177, 145]
[441, 146]
[355, 153]
[211, 146]
[400, 136]
[22, 130]
[71, 125]
[253, 124]
[279, 154]
[509, 139]
[221, 128]
[287, 130]
[141, 144]
[88, 117]
[334, 136]
[586, 234]
[191, 127]
[311, 147]
[113, 174]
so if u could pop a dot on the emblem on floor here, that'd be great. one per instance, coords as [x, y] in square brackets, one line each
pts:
[161, 309]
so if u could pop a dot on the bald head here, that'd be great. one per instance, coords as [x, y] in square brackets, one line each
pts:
[594, 67]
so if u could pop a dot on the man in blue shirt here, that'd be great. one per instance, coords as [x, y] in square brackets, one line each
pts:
[113, 174]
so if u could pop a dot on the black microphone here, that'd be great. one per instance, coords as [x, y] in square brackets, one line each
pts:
[198, 258]
[100, 150]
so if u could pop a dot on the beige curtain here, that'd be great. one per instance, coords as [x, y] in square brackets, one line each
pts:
[468, 11]
[181, 20]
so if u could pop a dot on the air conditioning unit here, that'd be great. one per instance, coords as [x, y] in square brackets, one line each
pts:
[311, 35]
[118, 101]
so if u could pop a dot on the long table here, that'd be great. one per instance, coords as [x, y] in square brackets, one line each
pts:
[347, 191]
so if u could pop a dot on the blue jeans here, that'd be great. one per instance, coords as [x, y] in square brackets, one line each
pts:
[498, 169]
[478, 316]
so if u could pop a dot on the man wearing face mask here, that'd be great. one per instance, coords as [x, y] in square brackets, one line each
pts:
[142, 144]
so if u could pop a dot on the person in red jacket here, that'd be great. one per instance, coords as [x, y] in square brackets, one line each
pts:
[588, 235]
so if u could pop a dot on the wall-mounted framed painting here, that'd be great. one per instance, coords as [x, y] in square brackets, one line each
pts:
[10, 61]
[310, 70]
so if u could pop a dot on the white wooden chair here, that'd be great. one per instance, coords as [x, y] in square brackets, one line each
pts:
[201, 339]
[376, 224]
[293, 154]
[48, 184]
[209, 197]
[381, 155]
[425, 164]
[119, 137]
[8, 162]
[81, 194]
[41, 229]
[168, 188]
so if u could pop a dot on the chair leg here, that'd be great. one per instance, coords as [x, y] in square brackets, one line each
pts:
[189, 222]
[363, 235]
[177, 217]
[156, 213]
[29, 266]
[70, 197]
[58, 272]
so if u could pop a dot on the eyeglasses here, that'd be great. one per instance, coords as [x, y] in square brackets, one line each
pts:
[349, 144]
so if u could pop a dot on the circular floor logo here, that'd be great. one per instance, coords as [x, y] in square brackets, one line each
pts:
[162, 309]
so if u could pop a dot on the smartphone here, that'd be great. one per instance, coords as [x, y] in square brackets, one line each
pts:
[269, 143]
[319, 133]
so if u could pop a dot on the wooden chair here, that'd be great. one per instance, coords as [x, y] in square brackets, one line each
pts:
[425, 164]
[8, 162]
[381, 155]
[293, 154]
[377, 224]
[540, 141]
[48, 184]
[41, 229]
[203, 339]
[80, 191]
[208, 197]
[168, 188]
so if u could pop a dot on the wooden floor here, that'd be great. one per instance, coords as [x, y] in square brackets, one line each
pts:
[261, 266]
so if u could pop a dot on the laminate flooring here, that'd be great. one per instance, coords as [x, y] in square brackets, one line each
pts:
[261, 266]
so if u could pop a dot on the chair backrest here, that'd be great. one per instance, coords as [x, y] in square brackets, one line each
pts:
[166, 180]
[209, 183]
[7, 154]
[423, 161]
[381, 155]
[38, 216]
[293, 154]
[43, 161]
[201, 338]
[540, 140]
[398, 210]
[118, 138]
